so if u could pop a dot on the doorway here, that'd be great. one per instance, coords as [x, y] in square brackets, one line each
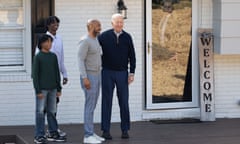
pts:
[40, 10]
[171, 55]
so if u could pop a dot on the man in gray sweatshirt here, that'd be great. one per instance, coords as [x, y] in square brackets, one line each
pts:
[89, 58]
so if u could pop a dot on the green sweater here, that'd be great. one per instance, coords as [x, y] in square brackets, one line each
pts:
[45, 73]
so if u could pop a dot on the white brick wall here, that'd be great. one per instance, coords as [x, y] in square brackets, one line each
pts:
[73, 15]
[17, 102]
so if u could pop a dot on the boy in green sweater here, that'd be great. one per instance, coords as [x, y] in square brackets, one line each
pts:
[46, 81]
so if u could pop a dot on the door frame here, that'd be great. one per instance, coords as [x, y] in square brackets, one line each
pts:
[148, 57]
[36, 11]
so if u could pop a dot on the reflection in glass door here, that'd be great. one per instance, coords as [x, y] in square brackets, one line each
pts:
[170, 59]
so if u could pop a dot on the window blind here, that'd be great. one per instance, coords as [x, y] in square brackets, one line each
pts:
[11, 47]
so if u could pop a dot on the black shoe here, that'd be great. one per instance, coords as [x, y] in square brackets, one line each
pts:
[60, 132]
[125, 135]
[106, 135]
[40, 140]
[55, 137]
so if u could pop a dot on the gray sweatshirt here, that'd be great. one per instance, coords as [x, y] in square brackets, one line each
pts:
[89, 56]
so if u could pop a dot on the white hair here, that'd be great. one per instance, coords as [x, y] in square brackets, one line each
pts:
[116, 15]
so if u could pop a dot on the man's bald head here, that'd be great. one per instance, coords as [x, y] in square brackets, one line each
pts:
[94, 27]
[92, 23]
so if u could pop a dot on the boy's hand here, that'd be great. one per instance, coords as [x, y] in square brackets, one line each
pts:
[40, 96]
[59, 94]
[86, 83]
[65, 80]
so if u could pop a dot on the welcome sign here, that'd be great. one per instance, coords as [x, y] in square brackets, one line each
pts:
[205, 44]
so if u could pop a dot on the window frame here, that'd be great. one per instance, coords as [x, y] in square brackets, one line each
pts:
[21, 73]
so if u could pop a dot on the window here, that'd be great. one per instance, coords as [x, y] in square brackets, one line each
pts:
[15, 37]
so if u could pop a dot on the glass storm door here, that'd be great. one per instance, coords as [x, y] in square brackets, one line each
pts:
[171, 54]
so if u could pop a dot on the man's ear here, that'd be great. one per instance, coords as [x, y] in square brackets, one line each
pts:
[90, 26]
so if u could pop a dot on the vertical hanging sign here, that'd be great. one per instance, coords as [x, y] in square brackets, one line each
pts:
[205, 44]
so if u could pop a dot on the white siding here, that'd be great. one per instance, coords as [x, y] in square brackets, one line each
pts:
[205, 13]
[74, 15]
[226, 23]
[226, 73]
[17, 103]
[227, 86]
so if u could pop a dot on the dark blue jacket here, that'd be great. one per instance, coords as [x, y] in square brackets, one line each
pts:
[117, 52]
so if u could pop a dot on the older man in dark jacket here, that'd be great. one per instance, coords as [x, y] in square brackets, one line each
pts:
[118, 53]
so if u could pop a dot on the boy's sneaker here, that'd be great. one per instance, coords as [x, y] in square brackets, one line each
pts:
[40, 140]
[62, 133]
[55, 137]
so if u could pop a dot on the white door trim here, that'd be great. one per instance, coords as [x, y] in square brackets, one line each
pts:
[195, 67]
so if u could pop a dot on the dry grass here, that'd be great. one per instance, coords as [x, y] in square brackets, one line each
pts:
[170, 57]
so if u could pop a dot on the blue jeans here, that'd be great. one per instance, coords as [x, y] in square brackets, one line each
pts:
[46, 105]
[91, 97]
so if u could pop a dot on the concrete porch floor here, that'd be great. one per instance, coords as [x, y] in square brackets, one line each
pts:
[223, 131]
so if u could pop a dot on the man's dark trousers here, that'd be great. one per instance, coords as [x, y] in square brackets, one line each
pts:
[110, 79]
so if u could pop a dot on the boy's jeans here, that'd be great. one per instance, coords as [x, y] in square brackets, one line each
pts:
[91, 97]
[46, 105]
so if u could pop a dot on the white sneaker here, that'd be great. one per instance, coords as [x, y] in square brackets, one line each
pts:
[62, 133]
[91, 140]
[98, 137]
